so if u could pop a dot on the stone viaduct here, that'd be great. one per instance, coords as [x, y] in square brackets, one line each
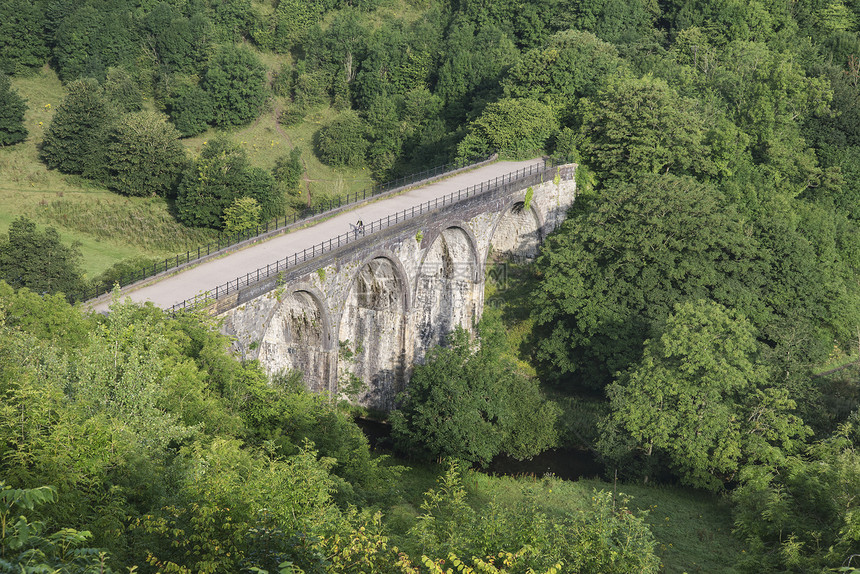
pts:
[374, 306]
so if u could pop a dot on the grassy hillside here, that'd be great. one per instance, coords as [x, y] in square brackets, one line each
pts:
[110, 227]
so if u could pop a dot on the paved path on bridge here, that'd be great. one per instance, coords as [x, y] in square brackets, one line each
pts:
[186, 284]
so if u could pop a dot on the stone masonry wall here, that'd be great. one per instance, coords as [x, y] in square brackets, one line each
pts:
[374, 307]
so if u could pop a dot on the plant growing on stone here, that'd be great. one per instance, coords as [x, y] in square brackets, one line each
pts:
[530, 192]
[349, 383]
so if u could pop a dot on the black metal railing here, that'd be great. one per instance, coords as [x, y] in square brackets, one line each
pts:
[526, 176]
[224, 241]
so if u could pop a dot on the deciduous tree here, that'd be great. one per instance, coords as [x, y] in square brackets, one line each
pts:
[76, 139]
[516, 127]
[639, 126]
[615, 270]
[342, 141]
[699, 395]
[235, 81]
[217, 178]
[144, 155]
[190, 109]
[467, 400]
[22, 37]
[39, 261]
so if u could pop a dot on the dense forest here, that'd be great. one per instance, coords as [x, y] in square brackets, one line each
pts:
[695, 322]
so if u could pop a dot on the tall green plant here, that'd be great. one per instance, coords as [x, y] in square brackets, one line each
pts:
[12, 108]
[76, 139]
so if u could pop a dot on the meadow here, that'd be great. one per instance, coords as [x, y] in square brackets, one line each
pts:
[110, 228]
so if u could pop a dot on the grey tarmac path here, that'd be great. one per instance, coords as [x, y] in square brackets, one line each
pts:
[186, 284]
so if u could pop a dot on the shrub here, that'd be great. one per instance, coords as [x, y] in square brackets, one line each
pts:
[341, 142]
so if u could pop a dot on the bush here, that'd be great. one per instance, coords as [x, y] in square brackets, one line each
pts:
[341, 142]
[216, 179]
[242, 215]
[235, 81]
[604, 536]
[144, 156]
[121, 271]
[288, 171]
[190, 110]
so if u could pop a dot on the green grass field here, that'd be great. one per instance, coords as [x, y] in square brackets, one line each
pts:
[109, 227]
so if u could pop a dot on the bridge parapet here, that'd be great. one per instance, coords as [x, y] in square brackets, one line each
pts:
[362, 308]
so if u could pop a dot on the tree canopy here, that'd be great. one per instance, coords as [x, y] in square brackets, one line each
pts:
[216, 179]
[699, 394]
[468, 402]
[617, 267]
[39, 261]
[12, 108]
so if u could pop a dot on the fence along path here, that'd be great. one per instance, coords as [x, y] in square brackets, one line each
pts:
[217, 278]
[282, 222]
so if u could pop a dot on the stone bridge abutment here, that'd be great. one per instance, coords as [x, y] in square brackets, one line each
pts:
[367, 311]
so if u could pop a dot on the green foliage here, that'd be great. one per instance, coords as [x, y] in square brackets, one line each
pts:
[342, 141]
[844, 194]
[144, 155]
[243, 214]
[245, 506]
[573, 64]
[639, 126]
[604, 536]
[699, 395]
[513, 127]
[76, 140]
[190, 109]
[467, 76]
[398, 60]
[47, 317]
[288, 171]
[90, 40]
[12, 108]
[234, 81]
[123, 90]
[180, 42]
[801, 513]
[467, 401]
[39, 260]
[286, 415]
[231, 19]
[615, 270]
[26, 548]
[22, 37]
[261, 185]
[217, 178]
[811, 257]
[121, 271]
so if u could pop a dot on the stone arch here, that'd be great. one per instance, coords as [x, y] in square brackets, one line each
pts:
[372, 330]
[516, 234]
[449, 288]
[298, 337]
